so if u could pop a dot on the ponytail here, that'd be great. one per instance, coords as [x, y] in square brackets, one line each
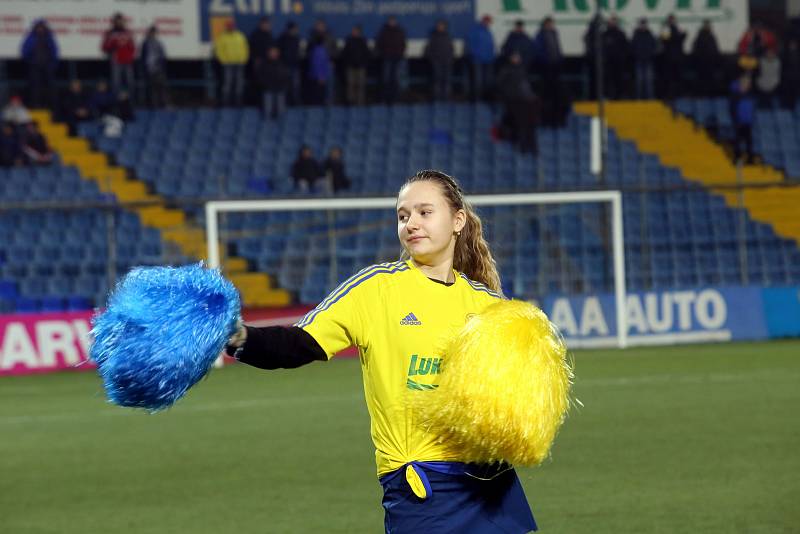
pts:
[472, 255]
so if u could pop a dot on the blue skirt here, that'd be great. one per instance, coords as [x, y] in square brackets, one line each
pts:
[460, 498]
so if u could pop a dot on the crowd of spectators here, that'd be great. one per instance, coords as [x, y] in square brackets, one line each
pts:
[285, 68]
[524, 76]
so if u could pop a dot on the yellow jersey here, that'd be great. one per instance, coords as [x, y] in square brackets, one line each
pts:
[399, 320]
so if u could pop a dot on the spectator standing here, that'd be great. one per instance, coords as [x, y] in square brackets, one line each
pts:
[742, 108]
[549, 59]
[643, 49]
[480, 53]
[289, 46]
[305, 170]
[355, 60]
[707, 60]
[756, 40]
[154, 64]
[35, 147]
[334, 170]
[320, 32]
[319, 72]
[260, 41]
[518, 42]
[40, 54]
[273, 79]
[615, 56]
[520, 105]
[232, 52]
[590, 45]
[440, 53]
[672, 39]
[391, 47]
[118, 44]
[769, 78]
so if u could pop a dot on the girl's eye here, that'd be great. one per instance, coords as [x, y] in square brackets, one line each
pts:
[401, 218]
[426, 212]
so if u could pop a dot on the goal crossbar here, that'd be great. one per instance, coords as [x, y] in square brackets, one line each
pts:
[614, 198]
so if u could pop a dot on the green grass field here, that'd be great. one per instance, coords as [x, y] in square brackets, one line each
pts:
[682, 439]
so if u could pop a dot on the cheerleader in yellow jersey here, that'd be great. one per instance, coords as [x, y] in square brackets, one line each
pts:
[398, 316]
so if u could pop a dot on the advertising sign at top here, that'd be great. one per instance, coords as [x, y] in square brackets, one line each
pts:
[729, 18]
[417, 17]
[79, 25]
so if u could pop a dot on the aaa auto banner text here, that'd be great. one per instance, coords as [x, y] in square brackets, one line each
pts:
[679, 316]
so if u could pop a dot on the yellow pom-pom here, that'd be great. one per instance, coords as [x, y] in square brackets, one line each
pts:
[504, 390]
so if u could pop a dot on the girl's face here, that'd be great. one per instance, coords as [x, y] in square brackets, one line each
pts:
[426, 225]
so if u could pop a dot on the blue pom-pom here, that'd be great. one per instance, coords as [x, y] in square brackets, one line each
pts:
[161, 332]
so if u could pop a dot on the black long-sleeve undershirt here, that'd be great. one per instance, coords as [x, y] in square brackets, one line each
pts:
[278, 347]
[282, 347]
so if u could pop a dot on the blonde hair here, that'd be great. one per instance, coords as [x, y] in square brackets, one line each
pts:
[472, 255]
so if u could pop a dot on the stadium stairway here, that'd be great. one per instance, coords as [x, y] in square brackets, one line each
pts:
[256, 288]
[678, 141]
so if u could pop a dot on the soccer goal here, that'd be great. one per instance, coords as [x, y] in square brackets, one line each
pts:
[545, 243]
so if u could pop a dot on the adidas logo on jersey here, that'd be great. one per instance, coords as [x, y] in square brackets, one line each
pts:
[410, 320]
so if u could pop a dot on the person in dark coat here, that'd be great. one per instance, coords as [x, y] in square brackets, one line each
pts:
[10, 147]
[289, 46]
[673, 57]
[707, 59]
[391, 48]
[615, 57]
[124, 107]
[35, 147]
[102, 101]
[520, 105]
[549, 61]
[75, 106]
[355, 60]
[260, 41]
[643, 50]
[518, 42]
[440, 53]
[40, 54]
[790, 77]
[273, 79]
[591, 47]
[305, 169]
[153, 58]
[334, 170]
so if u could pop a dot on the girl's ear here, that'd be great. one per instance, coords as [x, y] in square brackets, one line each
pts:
[460, 220]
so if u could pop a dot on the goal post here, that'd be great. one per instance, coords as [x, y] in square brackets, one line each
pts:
[214, 209]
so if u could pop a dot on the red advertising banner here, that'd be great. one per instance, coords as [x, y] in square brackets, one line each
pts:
[46, 342]
[35, 343]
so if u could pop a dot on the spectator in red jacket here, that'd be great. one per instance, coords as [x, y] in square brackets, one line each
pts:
[118, 44]
[757, 40]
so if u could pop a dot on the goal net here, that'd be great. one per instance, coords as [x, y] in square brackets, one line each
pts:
[551, 248]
